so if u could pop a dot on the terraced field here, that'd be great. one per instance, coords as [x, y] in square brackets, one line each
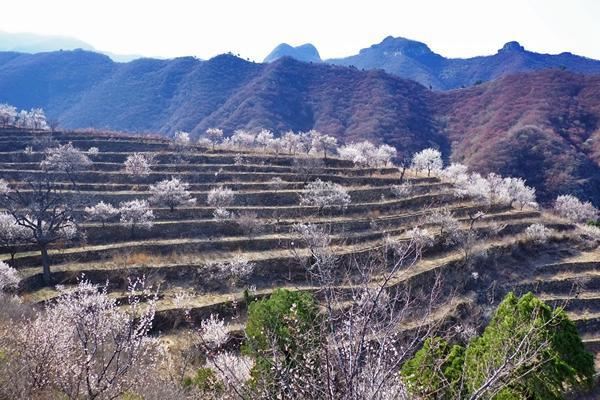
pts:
[178, 251]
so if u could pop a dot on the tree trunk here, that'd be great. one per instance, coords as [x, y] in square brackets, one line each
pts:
[45, 264]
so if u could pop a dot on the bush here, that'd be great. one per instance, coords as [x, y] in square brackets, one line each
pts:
[537, 233]
[282, 332]
[205, 380]
[403, 190]
[527, 351]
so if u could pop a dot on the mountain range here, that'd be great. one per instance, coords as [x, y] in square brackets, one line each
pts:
[541, 125]
[414, 60]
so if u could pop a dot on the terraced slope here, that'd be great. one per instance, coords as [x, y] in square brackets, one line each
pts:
[179, 252]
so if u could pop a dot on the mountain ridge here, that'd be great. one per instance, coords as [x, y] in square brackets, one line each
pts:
[541, 122]
[414, 60]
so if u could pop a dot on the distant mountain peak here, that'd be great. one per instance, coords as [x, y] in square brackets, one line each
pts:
[414, 60]
[306, 52]
[400, 45]
[513, 46]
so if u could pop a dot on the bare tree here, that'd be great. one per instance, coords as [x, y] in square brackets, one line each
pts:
[45, 211]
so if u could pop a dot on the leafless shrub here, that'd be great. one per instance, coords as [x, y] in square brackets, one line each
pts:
[537, 233]
[249, 223]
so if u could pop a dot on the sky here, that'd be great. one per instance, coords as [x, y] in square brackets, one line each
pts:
[252, 28]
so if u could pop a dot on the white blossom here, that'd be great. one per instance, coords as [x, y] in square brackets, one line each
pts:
[455, 173]
[221, 214]
[214, 135]
[263, 139]
[9, 277]
[236, 270]
[33, 119]
[220, 197]
[93, 151]
[8, 115]
[181, 140]
[291, 142]
[101, 212]
[384, 154]
[231, 368]
[171, 193]
[321, 143]
[572, 208]
[65, 158]
[325, 195]
[589, 231]
[362, 153]
[403, 190]
[520, 194]
[136, 214]
[537, 233]
[138, 164]
[213, 331]
[429, 160]
[242, 139]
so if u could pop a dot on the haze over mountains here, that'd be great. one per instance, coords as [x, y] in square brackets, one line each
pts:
[35, 43]
[542, 125]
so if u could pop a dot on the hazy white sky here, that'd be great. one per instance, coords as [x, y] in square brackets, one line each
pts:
[458, 28]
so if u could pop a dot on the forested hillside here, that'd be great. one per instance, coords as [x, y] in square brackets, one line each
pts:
[541, 125]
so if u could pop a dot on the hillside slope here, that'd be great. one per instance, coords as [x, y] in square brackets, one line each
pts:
[411, 59]
[180, 253]
[483, 126]
[543, 126]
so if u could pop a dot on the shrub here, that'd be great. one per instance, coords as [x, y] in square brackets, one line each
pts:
[205, 380]
[220, 197]
[403, 190]
[528, 350]
[9, 277]
[282, 334]
[237, 270]
[276, 183]
[249, 223]
[537, 233]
